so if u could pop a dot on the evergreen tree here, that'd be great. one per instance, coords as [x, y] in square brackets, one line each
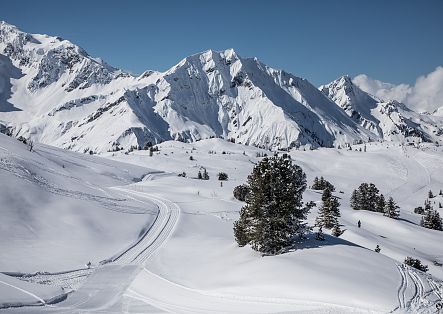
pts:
[205, 175]
[416, 263]
[241, 192]
[365, 197]
[372, 197]
[355, 200]
[431, 219]
[392, 209]
[336, 231]
[316, 185]
[321, 182]
[430, 194]
[274, 213]
[381, 204]
[329, 211]
[222, 176]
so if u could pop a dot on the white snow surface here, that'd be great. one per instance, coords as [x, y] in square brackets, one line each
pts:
[175, 251]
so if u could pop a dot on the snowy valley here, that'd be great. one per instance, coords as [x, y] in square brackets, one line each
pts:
[102, 209]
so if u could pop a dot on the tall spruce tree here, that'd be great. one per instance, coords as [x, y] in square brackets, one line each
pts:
[329, 211]
[355, 200]
[392, 209]
[381, 203]
[274, 213]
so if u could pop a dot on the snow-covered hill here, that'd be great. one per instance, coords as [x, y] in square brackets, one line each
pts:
[55, 93]
[166, 242]
[388, 120]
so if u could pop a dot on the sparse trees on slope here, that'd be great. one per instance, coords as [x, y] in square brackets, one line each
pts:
[274, 213]
[431, 219]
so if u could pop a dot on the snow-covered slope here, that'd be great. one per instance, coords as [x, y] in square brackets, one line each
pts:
[78, 208]
[55, 93]
[387, 120]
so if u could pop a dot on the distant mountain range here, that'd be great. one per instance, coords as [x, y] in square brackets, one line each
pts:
[53, 92]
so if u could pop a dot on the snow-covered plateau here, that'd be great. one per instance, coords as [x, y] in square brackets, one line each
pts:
[90, 222]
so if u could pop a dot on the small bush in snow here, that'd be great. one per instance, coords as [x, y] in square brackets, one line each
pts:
[419, 210]
[416, 263]
[241, 192]
[222, 176]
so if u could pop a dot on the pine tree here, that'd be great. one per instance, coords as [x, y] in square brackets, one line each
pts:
[371, 202]
[430, 194]
[392, 209]
[431, 219]
[241, 192]
[355, 200]
[381, 204]
[336, 231]
[321, 182]
[205, 175]
[366, 197]
[274, 213]
[329, 212]
[315, 185]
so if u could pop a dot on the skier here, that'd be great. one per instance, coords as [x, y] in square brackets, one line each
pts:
[359, 223]
[377, 249]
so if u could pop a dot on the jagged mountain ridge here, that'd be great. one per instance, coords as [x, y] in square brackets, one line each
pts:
[55, 93]
[386, 119]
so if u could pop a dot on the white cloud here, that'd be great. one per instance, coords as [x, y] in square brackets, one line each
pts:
[425, 95]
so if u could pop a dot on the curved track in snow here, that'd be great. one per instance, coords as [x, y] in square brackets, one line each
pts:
[155, 236]
[156, 291]
[98, 288]
[418, 292]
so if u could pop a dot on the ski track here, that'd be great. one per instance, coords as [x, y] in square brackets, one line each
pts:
[40, 300]
[142, 250]
[418, 292]
[111, 203]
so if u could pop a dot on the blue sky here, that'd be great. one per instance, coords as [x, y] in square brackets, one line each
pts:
[393, 41]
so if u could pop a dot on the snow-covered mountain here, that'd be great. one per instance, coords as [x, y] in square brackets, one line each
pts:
[53, 92]
[389, 120]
